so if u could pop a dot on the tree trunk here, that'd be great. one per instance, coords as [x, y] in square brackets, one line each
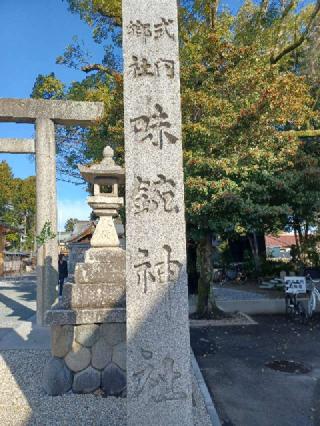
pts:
[306, 231]
[214, 4]
[204, 256]
[298, 242]
[253, 240]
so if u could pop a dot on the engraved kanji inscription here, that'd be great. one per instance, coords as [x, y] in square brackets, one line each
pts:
[144, 68]
[166, 271]
[144, 270]
[153, 128]
[160, 382]
[147, 31]
[152, 195]
[163, 29]
[163, 273]
[140, 30]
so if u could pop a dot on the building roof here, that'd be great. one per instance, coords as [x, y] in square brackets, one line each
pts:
[83, 233]
[89, 230]
[64, 236]
[80, 226]
[282, 241]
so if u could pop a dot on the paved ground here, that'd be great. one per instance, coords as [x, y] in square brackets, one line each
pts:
[24, 351]
[222, 293]
[246, 392]
[17, 301]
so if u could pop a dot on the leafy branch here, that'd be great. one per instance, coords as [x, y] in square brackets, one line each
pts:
[303, 36]
[45, 235]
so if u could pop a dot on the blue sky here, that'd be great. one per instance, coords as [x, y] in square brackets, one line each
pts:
[32, 34]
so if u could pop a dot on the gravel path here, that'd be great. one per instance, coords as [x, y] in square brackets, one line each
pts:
[23, 402]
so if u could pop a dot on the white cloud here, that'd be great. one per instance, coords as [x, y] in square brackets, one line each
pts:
[78, 209]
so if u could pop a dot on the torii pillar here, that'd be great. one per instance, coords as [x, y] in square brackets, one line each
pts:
[44, 114]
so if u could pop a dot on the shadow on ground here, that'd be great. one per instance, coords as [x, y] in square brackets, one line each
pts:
[17, 301]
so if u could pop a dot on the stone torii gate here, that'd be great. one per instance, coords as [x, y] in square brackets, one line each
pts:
[44, 114]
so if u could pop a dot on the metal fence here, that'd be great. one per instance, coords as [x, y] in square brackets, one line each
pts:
[13, 266]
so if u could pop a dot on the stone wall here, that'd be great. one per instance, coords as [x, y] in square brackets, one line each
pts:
[86, 358]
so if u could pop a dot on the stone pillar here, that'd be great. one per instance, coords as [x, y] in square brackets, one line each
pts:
[158, 357]
[47, 255]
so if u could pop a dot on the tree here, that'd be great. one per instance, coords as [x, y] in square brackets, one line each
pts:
[302, 182]
[235, 107]
[48, 87]
[6, 187]
[69, 226]
[245, 100]
[17, 207]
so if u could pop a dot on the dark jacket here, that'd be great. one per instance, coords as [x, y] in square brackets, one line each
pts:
[63, 269]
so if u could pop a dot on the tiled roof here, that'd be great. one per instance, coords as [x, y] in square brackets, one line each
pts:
[283, 241]
[87, 232]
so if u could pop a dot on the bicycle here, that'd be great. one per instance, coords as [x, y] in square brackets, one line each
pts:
[295, 286]
[295, 308]
[314, 298]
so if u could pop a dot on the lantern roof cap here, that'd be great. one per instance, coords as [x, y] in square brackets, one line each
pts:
[106, 168]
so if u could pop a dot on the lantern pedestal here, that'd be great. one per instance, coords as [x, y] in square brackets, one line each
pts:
[88, 325]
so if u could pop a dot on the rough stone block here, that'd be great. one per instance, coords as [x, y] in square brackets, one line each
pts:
[119, 355]
[114, 256]
[93, 296]
[78, 358]
[100, 273]
[17, 146]
[61, 340]
[57, 378]
[86, 381]
[113, 333]
[86, 334]
[113, 381]
[61, 112]
[101, 354]
[85, 316]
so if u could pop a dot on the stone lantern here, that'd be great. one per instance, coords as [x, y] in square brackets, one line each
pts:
[88, 325]
[105, 202]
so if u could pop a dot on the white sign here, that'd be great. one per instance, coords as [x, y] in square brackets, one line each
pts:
[295, 285]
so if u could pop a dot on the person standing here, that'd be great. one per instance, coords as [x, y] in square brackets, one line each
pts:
[63, 272]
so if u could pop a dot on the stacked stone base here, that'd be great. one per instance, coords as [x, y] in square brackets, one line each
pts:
[88, 328]
[87, 358]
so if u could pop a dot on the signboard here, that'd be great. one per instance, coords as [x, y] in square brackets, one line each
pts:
[295, 285]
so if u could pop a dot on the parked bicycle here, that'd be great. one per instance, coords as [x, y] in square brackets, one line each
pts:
[314, 297]
[295, 287]
[298, 288]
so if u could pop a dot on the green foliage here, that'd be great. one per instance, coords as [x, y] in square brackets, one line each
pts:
[6, 187]
[47, 87]
[17, 206]
[45, 235]
[246, 89]
[69, 226]
[103, 15]
[272, 268]
[239, 165]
